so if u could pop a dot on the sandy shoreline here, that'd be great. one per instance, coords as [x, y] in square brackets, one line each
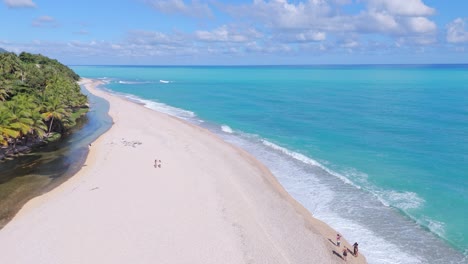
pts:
[210, 202]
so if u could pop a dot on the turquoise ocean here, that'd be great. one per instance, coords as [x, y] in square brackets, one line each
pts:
[380, 153]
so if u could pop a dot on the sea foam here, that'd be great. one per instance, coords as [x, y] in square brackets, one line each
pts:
[402, 200]
[159, 107]
[227, 129]
[132, 82]
[307, 160]
[436, 227]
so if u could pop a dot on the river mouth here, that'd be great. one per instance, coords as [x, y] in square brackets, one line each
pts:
[38, 172]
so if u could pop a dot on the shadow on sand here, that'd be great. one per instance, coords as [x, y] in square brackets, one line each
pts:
[331, 241]
[338, 254]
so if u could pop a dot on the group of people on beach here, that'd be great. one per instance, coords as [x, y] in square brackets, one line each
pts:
[345, 249]
[157, 163]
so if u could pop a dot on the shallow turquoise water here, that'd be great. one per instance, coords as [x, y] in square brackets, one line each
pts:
[389, 142]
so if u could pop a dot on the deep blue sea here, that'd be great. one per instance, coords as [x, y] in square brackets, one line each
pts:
[380, 153]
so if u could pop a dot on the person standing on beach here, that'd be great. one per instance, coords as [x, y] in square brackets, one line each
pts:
[338, 241]
[345, 253]
[356, 249]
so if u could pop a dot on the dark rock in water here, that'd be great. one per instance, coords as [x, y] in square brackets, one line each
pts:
[10, 152]
[39, 143]
[23, 149]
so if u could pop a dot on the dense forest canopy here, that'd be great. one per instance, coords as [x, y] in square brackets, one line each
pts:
[39, 97]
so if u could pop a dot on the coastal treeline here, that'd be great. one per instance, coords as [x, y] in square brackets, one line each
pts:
[39, 101]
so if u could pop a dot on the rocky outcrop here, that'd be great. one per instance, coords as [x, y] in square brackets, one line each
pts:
[21, 147]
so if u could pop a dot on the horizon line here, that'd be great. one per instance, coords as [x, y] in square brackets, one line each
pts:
[272, 65]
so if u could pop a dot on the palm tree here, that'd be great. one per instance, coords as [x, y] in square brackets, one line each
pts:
[67, 90]
[7, 132]
[11, 65]
[5, 88]
[3, 94]
[54, 109]
[19, 114]
[38, 127]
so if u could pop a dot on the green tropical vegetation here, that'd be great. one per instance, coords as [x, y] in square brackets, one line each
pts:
[39, 100]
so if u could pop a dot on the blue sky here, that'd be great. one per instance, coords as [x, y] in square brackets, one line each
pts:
[186, 32]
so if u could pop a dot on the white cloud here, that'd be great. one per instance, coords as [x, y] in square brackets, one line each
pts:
[350, 44]
[19, 3]
[282, 14]
[402, 7]
[280, 27]
[311, 36]
[298, 36]
[192, 9]
[394, 18]
[142, 37]
[456, 32]
[156, 44]
[268, 48]
[379, 22]
[421, 25]
[44, 21]
[225, 41]
[226, 34]
[395, 26]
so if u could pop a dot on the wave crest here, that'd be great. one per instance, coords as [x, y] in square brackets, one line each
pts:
[402, 200]
[226, 129]
[307, 160]
[160, 107]
[132, 82]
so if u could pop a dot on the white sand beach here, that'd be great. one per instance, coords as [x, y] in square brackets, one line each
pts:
[210, 202]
